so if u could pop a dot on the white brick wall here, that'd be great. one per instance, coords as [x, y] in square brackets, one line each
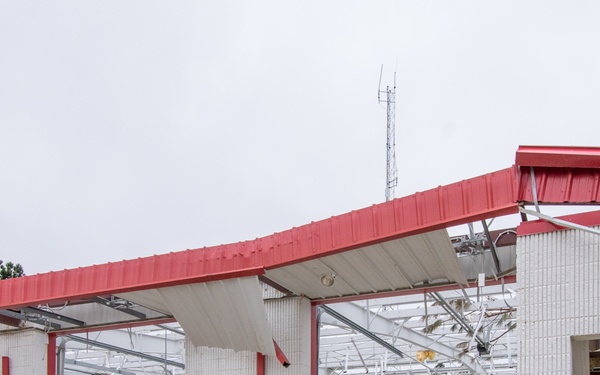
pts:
[214, 361]
[290, 324]
[26, 350]
[558, 276]
[289, 320]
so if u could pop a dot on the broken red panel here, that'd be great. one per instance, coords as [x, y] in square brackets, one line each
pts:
[558, 157]
[281, 356]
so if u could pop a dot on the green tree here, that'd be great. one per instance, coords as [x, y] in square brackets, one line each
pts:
[10, 270]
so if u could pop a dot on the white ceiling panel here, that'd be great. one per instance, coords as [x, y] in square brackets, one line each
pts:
[392, 265]
[227, 314]
[149, 298]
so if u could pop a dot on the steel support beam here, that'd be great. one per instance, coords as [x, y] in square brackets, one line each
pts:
[36, 320]
[121, 308]
[96, 367]
[150, 343]
[378, 324]
[125, 351]
[333, 313]
[508, 303]
[52, 315]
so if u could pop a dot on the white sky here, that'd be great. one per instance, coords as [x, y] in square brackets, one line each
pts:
[141, 127]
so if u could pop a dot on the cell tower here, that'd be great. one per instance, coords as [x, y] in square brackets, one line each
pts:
[392, 170]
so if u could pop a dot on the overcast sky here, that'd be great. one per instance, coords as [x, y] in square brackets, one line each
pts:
[132, 128]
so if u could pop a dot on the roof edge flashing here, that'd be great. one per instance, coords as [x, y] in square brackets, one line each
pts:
[558, 156]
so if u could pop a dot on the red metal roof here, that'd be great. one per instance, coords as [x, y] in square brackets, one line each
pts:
[563, 175]
[490, 195]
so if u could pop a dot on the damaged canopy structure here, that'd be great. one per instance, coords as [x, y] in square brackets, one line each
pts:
[215, 295]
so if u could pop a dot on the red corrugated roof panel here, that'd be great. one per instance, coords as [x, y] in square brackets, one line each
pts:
[560, 185]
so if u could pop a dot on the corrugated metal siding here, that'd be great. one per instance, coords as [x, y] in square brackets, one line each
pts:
[226, 314]
[559, 186]
[392, 265]
[289, 320]
[26, 350]
[558, 276]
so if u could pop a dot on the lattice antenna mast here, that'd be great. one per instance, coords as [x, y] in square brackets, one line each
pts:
[391, 170]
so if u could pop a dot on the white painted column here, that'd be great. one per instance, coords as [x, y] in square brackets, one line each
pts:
[290, 324]
[26, 349]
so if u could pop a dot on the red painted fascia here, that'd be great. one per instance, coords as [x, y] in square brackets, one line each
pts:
[588, 219]
[558, 157]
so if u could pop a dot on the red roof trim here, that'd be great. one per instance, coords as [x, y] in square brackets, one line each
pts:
[589, 219]
[558, 157]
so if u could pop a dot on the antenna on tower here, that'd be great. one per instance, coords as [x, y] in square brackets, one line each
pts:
[391, 170]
